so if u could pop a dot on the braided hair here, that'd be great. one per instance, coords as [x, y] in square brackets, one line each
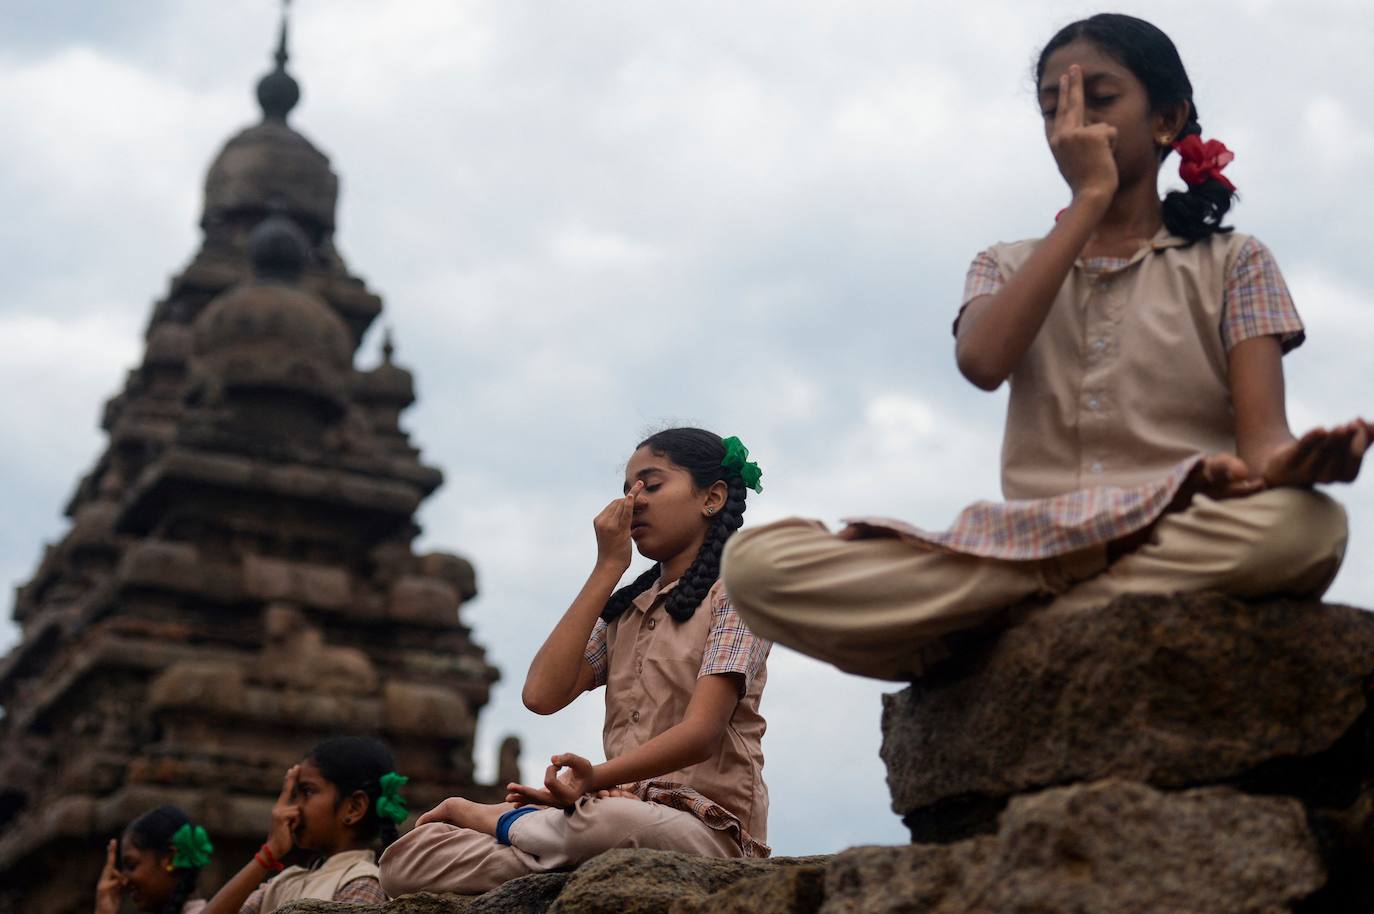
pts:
[700, 453]
[1148, 53]
[152, 833]
[353, 763]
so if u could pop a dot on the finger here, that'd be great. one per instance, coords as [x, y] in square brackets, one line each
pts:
[1335, 456]
[1061, 105]
[1322, 459]
[623, 510]
[111, 850]
[1075, 112]
[1241, 488]
[1353, 455]
[288, 784]
[551, 777]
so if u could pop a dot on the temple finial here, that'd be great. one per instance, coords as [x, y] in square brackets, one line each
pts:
[278, 92]
[388, 350]
[282, 56]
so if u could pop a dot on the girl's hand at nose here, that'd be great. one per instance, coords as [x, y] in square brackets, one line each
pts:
[612, 526]
[1082, 151]
[286, 814]
[109, 891]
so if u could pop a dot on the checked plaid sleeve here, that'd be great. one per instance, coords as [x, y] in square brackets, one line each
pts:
[363, 890]
[730, 646]
[1256, 301]
[595, 653]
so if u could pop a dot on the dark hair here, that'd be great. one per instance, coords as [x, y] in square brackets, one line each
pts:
[353, 763]
[1148, 53]
[152, 832]
[700, 453]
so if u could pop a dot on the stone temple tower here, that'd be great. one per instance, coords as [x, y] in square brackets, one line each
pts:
[238, 579]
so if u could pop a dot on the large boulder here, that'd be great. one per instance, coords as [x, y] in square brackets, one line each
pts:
[1172, 691]
[1111, 846]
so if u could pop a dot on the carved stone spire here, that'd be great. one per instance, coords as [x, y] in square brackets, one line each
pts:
[278, 91]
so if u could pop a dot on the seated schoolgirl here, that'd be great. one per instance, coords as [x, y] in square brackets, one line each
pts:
[1147, 447]
[343, 802]
[155, 864]
[683, 677]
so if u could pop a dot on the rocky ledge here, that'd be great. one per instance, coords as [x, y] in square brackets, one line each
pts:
[1162, 754]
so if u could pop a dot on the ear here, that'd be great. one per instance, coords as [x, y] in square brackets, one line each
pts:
[353, 808]
[716, 494]
[1169, 122]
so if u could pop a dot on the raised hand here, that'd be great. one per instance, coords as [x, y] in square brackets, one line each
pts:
[1082, 151]
[560, 790]
[109, 890]
[1321, 455]
[286, 815]
[612, 525]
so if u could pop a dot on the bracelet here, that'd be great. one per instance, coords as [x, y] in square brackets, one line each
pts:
[268, 860]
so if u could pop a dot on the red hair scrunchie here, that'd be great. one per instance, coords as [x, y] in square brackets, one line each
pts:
[1203, 161]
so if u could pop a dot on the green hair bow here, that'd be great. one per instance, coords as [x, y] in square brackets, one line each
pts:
[737, 461]
[391, 805]
[191, 848]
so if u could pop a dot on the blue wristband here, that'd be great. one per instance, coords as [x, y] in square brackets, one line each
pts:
[507, 819]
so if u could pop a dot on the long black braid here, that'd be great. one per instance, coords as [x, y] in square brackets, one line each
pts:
[152, 833]
[1148, 53]
[700, 453]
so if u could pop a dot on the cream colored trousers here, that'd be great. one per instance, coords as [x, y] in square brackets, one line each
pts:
[884, 607]
[438, 857]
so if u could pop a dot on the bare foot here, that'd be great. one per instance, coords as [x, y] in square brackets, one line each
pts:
[479, 817]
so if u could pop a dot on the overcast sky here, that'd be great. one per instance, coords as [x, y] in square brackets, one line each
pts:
[591, 220]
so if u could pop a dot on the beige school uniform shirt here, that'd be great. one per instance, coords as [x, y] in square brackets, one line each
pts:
[322, 882]
[649, 664]
[1125, 387]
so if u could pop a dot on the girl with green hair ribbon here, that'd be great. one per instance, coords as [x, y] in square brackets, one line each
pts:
[343, 802]
[155, 864]
[682, 676]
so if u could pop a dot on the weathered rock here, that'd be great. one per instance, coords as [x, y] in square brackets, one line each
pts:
[652, 882]
[787, 890]
[527, 895]
[1173, 691]
[1112, 846]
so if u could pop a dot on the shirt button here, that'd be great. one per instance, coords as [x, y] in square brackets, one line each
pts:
[634, 717]
[1096, 468]
[652, 624]
[1094, 403]
[1099, 345]
[639, 666]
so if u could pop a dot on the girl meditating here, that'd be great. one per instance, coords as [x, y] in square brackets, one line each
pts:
[343, 803]
[683, 678]
[155, 864]
[1146, 446]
